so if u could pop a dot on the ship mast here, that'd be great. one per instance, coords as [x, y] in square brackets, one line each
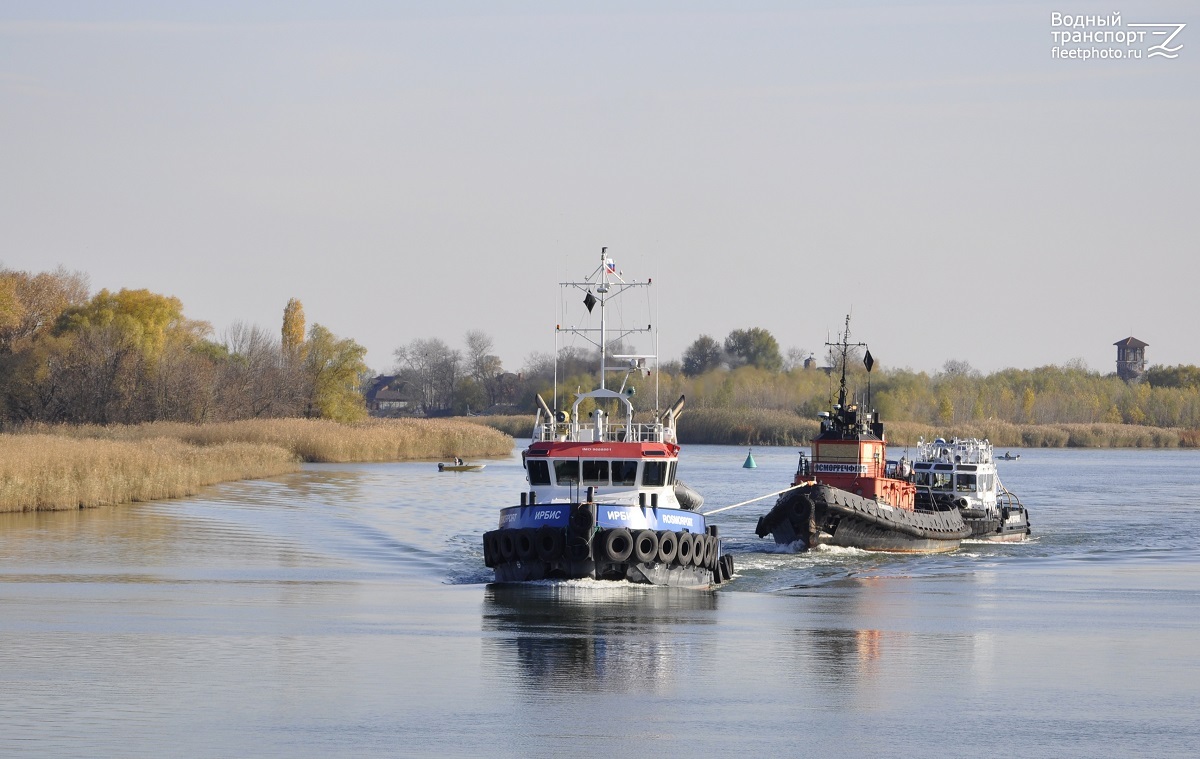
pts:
[844, 348]
[607, 283]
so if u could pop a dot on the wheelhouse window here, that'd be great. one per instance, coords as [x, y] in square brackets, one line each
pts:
[965, 483]
[566, 472]
[539, 472]
[624, 473]
[935, 480]
[655, 474]
[595, 472]
[671, 473]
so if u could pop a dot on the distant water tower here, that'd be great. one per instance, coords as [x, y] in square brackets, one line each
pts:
[1131, 358]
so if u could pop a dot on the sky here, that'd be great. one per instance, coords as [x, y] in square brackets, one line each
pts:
[412, 170]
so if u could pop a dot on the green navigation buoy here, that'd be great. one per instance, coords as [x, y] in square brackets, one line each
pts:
[750, 460]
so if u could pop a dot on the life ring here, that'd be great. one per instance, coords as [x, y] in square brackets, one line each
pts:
[668, 546]
[699, 550]
[686, 549]
[618, 544]
[645, 546]
[550, 542]
[508, 545]
[526, 544]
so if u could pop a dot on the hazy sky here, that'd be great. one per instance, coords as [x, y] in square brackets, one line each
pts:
[416, 170]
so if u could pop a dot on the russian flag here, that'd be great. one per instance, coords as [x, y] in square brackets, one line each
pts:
[610, 266]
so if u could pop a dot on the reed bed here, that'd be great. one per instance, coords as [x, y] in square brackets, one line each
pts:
[516, 427]
[316, 440]
[53, 472]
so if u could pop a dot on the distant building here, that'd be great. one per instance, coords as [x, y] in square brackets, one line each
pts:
[382, 399]
[1131, 358]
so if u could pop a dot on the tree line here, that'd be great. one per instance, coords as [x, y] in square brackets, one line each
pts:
[127, 357]
[747, 370]
[68, 356]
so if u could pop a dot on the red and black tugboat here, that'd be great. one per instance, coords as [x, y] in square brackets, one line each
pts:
[850, 495]
[604, 501]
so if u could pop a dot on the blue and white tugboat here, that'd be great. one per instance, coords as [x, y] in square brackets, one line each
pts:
[604, 501]
[850, 495]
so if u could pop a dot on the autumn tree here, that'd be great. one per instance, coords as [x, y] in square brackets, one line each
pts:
[335, 369]
[31, 304]
[293, 330]
[148, 320]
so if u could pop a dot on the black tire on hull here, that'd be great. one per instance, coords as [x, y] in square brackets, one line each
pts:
[699, 550]
[686, 549]
[508, 545]
[645, 545]
[487, 549]
[618, 544]
[526, 544]
[668, 546]
[550, 543]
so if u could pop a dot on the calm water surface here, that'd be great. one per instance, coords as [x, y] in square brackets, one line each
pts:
[345, 611]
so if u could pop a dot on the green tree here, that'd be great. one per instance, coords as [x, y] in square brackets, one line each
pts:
[335, 369]
[756, 347]
[701, 356]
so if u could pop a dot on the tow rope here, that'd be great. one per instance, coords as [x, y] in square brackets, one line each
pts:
[752, 500]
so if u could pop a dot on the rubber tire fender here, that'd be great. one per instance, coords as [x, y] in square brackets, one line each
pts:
[645, 546]
[686, 548]
[699, 549]
[550, 543]
[489, 550]
[508, 545]
[526, 543]
[668, 546]
[618, 544]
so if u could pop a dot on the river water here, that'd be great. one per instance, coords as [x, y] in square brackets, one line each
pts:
[344, 611]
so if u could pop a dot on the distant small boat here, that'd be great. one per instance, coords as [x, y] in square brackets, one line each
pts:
[461, 467]
[1008, 457]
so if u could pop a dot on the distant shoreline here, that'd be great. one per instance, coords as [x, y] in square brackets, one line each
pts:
[53, 468]
[769, 427]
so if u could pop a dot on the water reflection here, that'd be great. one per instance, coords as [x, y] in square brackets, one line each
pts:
[589, 637]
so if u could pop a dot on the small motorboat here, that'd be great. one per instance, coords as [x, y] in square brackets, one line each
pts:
[1008, 457]
[461, 467]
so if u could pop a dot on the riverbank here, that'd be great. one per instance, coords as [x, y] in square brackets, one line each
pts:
[68, 467]
[768, 427]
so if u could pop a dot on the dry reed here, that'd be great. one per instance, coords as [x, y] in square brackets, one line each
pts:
[318, 440]
[65, 467]
[49, 472]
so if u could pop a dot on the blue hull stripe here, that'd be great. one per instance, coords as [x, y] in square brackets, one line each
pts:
[633, 517]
